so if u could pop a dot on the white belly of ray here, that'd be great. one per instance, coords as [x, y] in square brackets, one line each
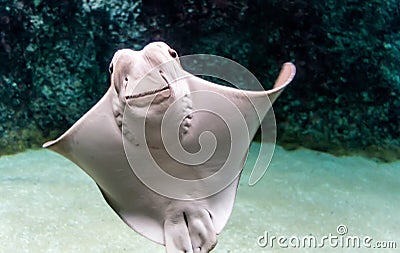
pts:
[167, 167]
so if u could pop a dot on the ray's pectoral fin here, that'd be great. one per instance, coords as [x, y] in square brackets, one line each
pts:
[285, 77]
[190, 231]
[253, 105]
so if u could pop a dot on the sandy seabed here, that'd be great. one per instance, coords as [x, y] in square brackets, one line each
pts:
[48, 204]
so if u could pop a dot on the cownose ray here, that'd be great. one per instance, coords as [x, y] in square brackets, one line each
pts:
[113, 140]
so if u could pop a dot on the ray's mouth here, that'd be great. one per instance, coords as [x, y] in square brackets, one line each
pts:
[151, 92]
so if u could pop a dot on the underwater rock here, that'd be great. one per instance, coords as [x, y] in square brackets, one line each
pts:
[347, 95]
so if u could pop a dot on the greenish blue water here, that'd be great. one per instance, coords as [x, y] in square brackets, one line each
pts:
[47, 204]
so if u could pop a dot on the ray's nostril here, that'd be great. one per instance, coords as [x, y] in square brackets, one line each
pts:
[172, 52]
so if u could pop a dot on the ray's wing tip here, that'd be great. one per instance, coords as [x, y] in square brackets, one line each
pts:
[286, 75]
[292, 68]
[49, 144]
[289, 69]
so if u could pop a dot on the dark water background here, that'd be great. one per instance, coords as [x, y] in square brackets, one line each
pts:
[345, 99]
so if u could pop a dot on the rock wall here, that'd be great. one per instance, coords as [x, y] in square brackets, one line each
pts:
[345, 98]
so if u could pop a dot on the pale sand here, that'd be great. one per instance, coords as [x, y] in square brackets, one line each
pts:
[47, 204]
